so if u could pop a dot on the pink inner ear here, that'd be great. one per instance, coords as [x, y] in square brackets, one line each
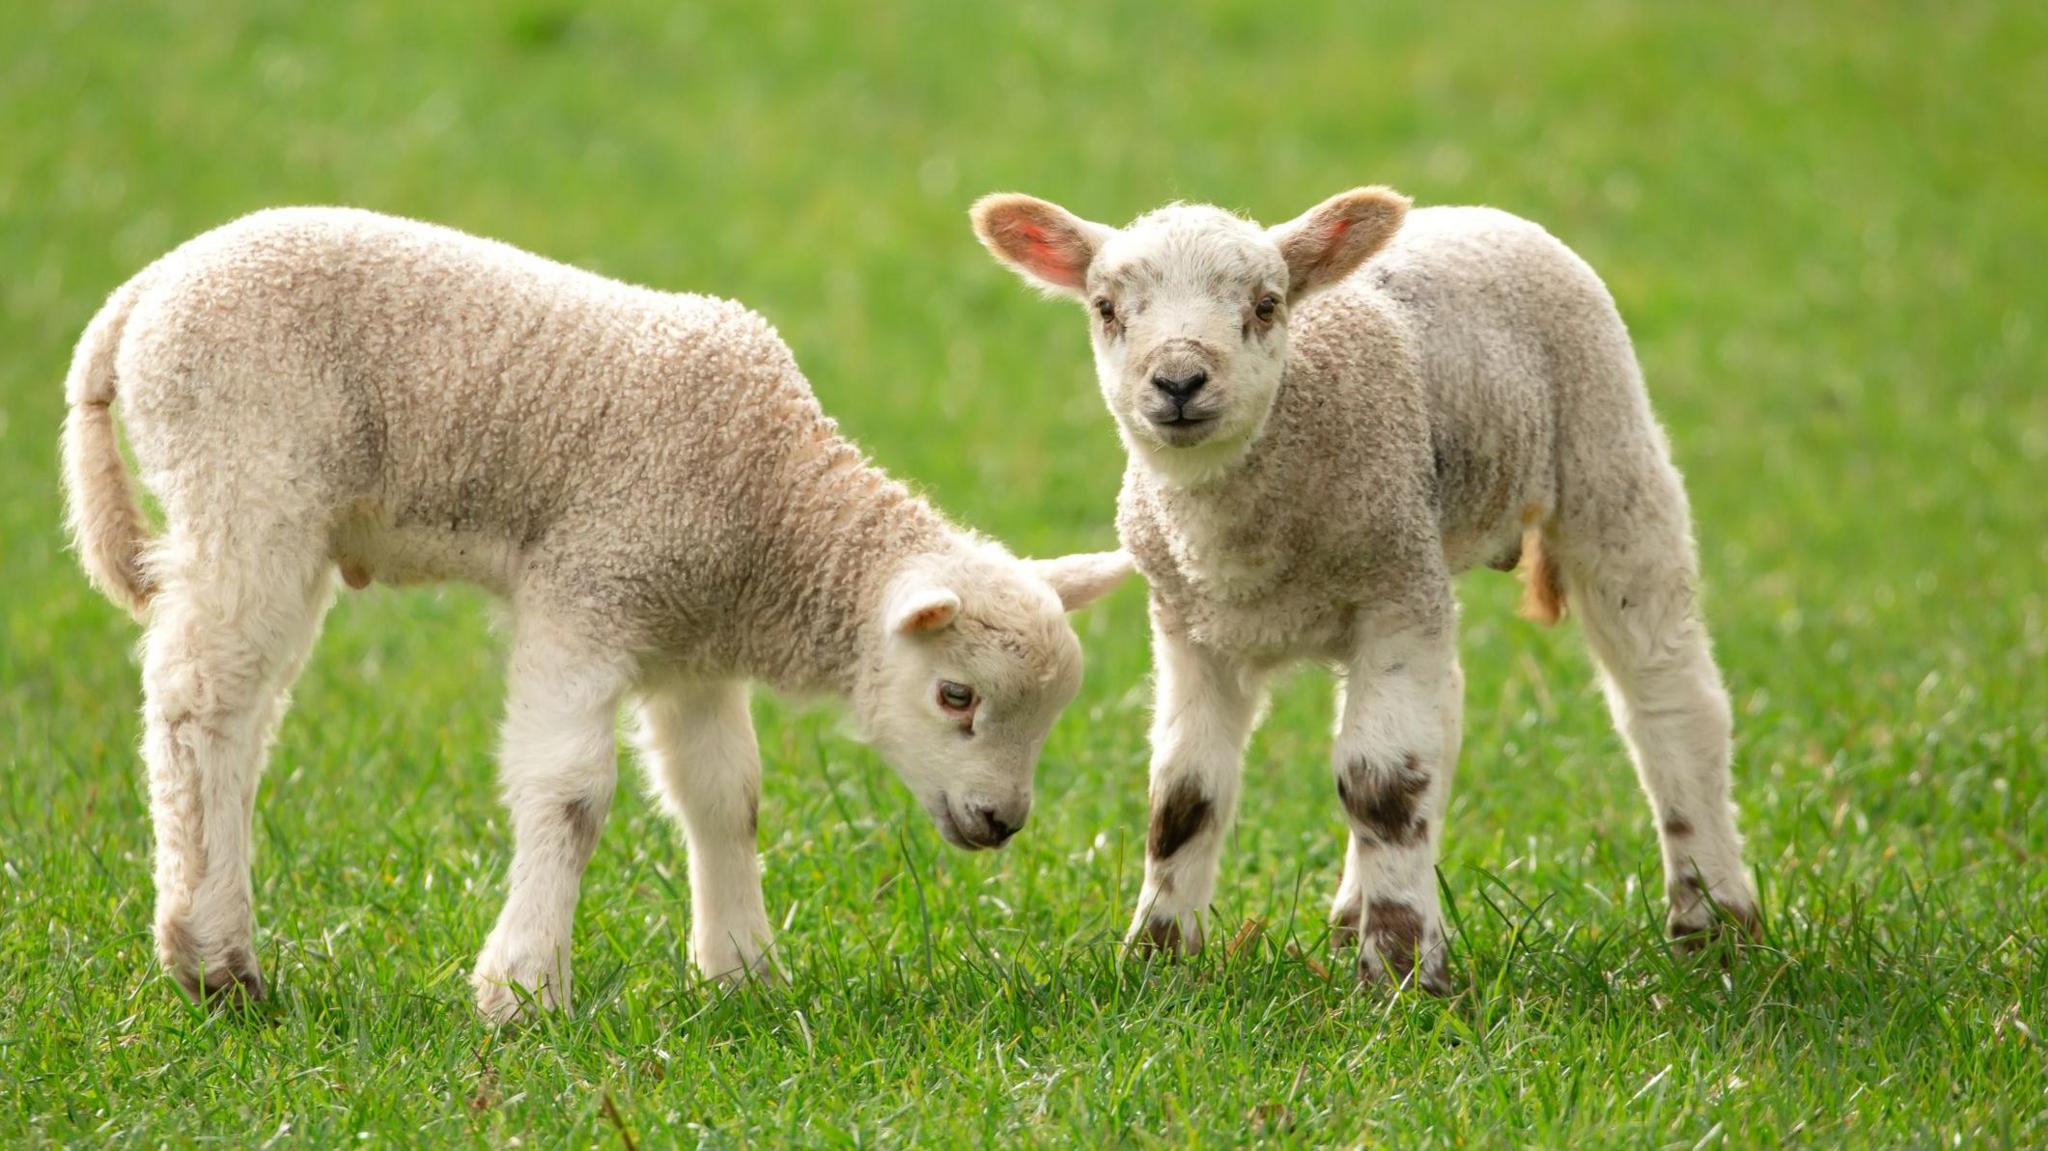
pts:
[1338, 229]
[928, 619]
[1045, 256]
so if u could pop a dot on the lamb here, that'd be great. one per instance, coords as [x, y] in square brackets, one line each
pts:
[644, 477]
[1326, 420]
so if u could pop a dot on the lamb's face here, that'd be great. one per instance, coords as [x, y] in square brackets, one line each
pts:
[1188, 308]
[1187, 314]
[975, 661]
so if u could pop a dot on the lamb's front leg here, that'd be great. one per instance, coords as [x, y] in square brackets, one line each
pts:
[1397, 746]
[559, 764]
[1204, 712]
[699, 751]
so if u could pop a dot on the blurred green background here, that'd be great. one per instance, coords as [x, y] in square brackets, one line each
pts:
[1826, 224]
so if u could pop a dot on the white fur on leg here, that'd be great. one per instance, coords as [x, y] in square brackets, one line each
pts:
[1396, 751]
[558, 767]
[1673, 713]
[226, 637]
[701, 758]
[1206, 708]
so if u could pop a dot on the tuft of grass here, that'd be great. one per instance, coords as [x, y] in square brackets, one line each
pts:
[1825, 224]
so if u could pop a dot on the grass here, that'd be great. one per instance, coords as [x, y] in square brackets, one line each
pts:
[1826, 224]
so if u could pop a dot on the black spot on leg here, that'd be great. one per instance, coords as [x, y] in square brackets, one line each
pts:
[1398, 935]
[1181, 815]
[584, 821]
[1677, 825]
[1161, 935]
[1397, 932]
[1382, 803]
[753, 815]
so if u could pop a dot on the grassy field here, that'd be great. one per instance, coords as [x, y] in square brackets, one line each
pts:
[1826, 223]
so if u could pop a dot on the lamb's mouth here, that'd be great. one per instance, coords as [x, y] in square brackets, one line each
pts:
[949, 828]
[1182, 428]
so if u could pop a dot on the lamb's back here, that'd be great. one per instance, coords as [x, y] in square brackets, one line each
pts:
[432, 381]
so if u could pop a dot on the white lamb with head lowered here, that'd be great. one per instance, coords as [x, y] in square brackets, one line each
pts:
[645, 477]
[1317, 443]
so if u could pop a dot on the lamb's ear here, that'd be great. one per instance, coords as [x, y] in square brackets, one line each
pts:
[917, 606]
[1328, 242]
[1080, 580]
[1046, 244]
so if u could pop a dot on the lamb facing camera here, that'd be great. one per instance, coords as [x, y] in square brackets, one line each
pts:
[1325, 421]
[645, 477]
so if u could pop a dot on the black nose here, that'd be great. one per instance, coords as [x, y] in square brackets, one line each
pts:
[999, 832]
[1181, 388]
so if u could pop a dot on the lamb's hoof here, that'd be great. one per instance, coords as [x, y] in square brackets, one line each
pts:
[505, 1002]
[518, 991]
[1393, 971]
[234, 983]
[1400, 951]
[760, 971]
[1696, 927]
[212, 977]
[1170, 935]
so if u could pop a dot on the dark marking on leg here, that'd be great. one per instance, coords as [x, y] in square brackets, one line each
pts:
[585, 820]
[753, 815]
[1182, 814]
[1397, 932]
[1382, 803]
[1161, 934]
[1677, 825]
[1398, 936]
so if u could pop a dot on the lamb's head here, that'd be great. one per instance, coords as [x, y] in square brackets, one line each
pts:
[1188, 307]
[971, 661]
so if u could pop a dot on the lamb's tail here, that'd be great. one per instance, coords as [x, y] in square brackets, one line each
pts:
[1542, 585]
[107, 526]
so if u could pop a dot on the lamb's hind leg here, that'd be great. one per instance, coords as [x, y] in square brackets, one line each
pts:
[228, 633]
[559, 764]
[1396, 750]
[1634, 598]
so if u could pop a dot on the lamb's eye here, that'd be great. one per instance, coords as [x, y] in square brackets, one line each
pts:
[956, 697]
[1264, 309]
[1105, 308]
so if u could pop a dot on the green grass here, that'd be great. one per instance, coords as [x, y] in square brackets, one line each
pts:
[1826, 223]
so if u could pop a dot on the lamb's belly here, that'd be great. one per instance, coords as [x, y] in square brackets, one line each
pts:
[368, 551]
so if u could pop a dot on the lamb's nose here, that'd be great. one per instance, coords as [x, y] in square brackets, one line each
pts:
[998, 830]
[1180, 389]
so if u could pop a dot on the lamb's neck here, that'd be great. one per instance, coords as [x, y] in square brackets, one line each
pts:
[844, 530]
[1222, 489]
